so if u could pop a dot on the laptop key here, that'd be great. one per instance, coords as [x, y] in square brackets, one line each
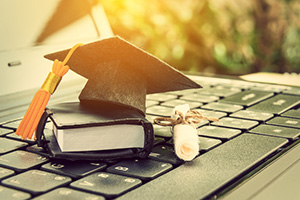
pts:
[206, 144]
[8, 193]
[290, 133]
[220, 91]
[270, 88]
[162, 131]
[199, 98]
[211, 114]
[21, 160]
[107, 184]
[292, 113]
[165, 153]
[247, 98]
[236, 123]
[68, 193]
[36, 181]
[151, 103]
[4, 131]
[293, 91]
[277, 104]
[218, 132]
[13, 124]
[248, 114]
[210, 171]
[144, 169]
[74, 169]
[159, 110]
[7, 145]
[177, 102]
[5, 173]
[285, 121]
[222, 107]
[161, 97]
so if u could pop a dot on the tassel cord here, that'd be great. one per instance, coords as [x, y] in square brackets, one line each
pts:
[40, 100]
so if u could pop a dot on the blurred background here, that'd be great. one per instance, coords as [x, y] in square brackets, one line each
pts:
[213, 36]
[231, 37]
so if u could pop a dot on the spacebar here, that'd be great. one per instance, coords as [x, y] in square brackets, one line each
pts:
[207, 173]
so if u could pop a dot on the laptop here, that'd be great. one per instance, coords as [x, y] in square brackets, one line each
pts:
[252, 152]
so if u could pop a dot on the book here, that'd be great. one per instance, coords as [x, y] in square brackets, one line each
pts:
[80, 128]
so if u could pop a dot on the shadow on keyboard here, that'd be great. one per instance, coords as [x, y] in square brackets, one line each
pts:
[257, 123]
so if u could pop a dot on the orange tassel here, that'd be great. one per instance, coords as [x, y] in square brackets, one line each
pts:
[34, 113]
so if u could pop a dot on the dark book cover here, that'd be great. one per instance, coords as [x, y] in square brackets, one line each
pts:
[75, 115]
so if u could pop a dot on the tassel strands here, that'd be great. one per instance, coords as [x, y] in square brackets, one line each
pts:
[40, 100]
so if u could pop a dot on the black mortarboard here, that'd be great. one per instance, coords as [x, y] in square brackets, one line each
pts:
[121, 73]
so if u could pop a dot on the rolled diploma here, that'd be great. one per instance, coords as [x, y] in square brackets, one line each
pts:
[185, 141]
[185, 137]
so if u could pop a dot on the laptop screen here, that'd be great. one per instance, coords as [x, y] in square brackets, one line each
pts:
[32, 22]
[32, 28]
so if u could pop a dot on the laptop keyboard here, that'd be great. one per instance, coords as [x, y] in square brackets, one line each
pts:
[256, 122]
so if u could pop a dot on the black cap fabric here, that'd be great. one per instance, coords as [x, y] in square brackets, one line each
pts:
[121, 73]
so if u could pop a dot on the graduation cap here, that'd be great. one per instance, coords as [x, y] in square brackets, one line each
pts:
[121, 73]
[118, 73]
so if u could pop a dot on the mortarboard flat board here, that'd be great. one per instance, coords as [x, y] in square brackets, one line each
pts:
[121, 73]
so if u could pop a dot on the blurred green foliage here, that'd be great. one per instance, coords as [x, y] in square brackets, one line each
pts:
[213, 36]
